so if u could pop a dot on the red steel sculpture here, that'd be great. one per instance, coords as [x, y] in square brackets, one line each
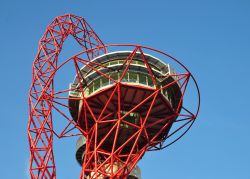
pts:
[121, 103]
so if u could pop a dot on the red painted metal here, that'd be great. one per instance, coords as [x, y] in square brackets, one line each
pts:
[41, 94]
[43, 98]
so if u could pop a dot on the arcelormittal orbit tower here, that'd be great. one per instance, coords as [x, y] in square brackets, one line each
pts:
[122, 101]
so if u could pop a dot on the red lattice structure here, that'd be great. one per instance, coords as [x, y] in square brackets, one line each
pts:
[124, 103]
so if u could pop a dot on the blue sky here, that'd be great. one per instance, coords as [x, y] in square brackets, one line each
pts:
[212, 38]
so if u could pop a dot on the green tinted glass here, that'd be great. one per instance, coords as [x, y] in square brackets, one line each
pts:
[140, 63]
[113, 62]
[97, 84]
[125, 78]
[91, 88]
[105, 81]
[150, 82]
[114, 76]
[142, 79]
[132, 77]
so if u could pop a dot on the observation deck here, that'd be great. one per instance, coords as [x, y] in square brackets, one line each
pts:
[112, 64]
[139, 78]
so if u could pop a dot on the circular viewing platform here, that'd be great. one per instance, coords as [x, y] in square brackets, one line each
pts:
[139, 77]
[113, 64]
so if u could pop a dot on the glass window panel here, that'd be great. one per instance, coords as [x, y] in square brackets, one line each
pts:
[125, 78]
[140, 63]
[142, 79]
[86, 91]
[121, 61]
[114, 76]
[97, 84]
[91, 88]
[105, 81]
[114, 62]
[133, 62]
[150, 82]
[132, 77]
[154, 68]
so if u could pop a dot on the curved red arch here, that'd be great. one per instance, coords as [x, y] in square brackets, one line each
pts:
[40, 125]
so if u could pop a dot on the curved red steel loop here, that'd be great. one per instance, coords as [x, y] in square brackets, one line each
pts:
[40, 124]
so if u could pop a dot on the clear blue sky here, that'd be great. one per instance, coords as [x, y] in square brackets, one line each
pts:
[212, 38]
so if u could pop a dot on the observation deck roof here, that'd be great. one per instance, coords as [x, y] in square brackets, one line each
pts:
[121, 55]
